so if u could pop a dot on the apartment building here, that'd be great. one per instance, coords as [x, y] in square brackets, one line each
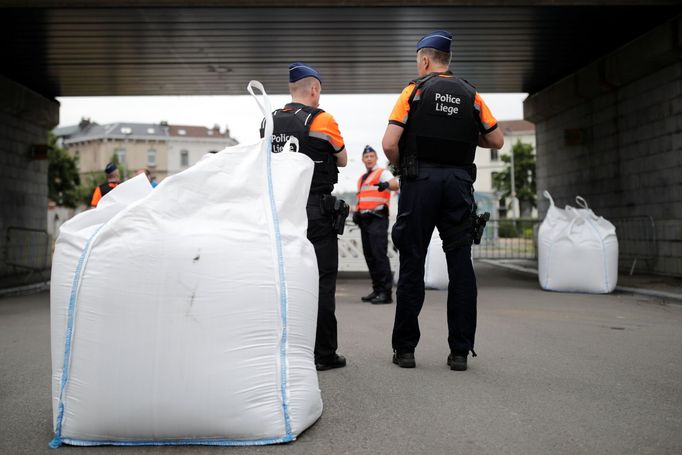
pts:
[162, 148]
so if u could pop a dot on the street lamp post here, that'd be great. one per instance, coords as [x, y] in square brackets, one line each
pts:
[514, 205]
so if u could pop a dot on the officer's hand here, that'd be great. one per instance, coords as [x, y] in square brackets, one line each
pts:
[356, 218]
[383, 185]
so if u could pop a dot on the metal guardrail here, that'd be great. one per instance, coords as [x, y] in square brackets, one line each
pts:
[27, 249]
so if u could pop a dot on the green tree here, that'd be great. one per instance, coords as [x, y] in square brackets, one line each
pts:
[90, 182]
[63, 181]
[524, 177]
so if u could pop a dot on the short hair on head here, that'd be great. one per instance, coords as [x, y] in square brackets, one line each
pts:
[301, 86]
[439, 57]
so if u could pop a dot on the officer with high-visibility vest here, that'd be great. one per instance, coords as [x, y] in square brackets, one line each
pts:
[113, 179]
[371, 215]
[434, 129]
[319, 138]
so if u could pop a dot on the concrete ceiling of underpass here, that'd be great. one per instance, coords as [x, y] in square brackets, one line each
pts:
[166, 48]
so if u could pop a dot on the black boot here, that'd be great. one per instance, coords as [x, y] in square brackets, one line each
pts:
[336, 361]
[369, 297]
[457, 361]
[382, 297]
[404, 360]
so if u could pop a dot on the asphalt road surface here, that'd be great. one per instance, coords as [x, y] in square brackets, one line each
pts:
[556, 373]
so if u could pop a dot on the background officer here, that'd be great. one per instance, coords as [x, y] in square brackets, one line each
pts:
[433, 132]
[319, 138]
[371, 215]
[113, 179]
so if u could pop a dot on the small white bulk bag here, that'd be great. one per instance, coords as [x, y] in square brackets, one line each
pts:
[577, 250]
[436, 267]
[189, 316]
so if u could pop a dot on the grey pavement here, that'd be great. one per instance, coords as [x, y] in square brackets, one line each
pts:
[556, 373]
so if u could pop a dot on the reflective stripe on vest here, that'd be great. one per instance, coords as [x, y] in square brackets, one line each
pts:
[369, 196]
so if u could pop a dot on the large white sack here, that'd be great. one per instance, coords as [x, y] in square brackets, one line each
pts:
[189, 316]
[436, 266]
[577, 250]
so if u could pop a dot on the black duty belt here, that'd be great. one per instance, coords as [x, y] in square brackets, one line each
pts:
[469, 168]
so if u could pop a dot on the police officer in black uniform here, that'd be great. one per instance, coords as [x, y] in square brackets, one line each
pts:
[432, 135]
[319, 138]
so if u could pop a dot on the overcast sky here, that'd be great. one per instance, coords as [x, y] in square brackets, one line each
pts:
[362, 118]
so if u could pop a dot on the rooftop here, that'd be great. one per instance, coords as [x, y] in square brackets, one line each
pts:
[88, 130]
[516, 126]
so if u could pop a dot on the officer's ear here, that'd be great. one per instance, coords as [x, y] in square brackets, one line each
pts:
[422, 60]
[315, 88]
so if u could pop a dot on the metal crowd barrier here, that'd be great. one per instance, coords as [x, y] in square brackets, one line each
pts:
[517, 239]
[502, 239]
[28, 250]
[508, 239]
[351, 258]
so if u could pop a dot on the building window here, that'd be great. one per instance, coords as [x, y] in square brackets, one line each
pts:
[494, 155]
[151, 158]
[126, 130]
[182, 132]
[502, 210]
[150, 130]
[121, 155]
[184, 158]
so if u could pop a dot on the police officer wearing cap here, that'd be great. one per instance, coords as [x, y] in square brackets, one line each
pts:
[113, 179]
[318, 137]
[371, 215]
[432, 135]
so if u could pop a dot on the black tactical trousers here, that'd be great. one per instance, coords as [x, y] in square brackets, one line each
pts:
[374, 232]
[443, 198]
[323, 238]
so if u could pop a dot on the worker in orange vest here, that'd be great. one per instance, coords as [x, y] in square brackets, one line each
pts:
[113, 179]
[371, 215]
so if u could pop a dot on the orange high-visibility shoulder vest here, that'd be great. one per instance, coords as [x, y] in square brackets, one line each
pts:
[369, 196]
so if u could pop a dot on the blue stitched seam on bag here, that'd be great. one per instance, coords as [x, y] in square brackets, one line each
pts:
[283, 298]
[75, 287]
[179, 442]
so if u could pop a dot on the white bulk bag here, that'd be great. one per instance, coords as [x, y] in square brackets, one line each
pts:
[436, 267]
[577, 250]
[189, 316]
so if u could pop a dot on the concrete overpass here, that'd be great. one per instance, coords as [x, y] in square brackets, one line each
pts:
[605, 79]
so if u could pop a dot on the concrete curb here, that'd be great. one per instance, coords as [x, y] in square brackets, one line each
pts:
[676, 298]
[25, 290]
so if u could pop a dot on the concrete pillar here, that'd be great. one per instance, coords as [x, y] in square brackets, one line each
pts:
[25, 120]
[612, 133]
